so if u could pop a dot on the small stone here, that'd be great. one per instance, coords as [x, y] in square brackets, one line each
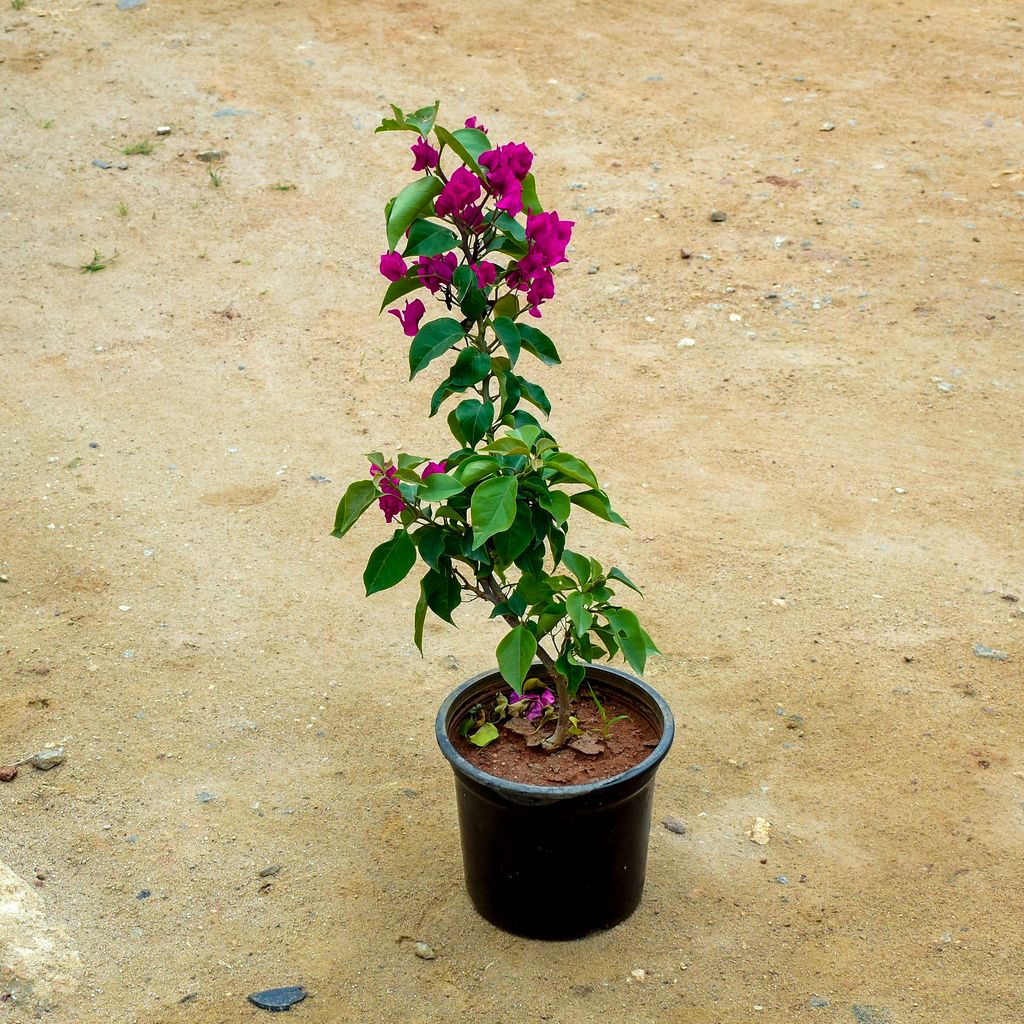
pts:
[451, 662]
[593, 269]
[143, 894]
[828, 126]
[277, 1000]
[871, 1015]
[210, 156]
[94, 444]
[639, 974]
[47, 759]
[319, 478]
[163, 129]
[686, 343]
[990, 653]
[129, 5]
[270, 871]
[782, 879]
[760, 831]
[945, 387]
[5, 578]
[817, 1002]
[674, 825]
[103, 165]
[717, 217]
[1006, 597]
[8, 772]
[424, 952]
[122, 167]
[204, 796]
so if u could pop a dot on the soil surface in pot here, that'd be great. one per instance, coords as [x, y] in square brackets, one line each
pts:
[588, 758]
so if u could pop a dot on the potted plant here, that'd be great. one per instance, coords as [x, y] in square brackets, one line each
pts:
[554, 756]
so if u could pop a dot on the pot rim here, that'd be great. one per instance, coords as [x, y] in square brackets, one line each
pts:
[507, 786]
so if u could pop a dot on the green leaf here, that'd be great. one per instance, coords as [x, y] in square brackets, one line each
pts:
[419, 618]
[401, 287]
[515, 656]
[409, 203]
[508, 386]
[518, 537]
[428, 238]
[493, 508]
[618, 574]
[439, 487]
[596, 502]
[630, 636]
[571, 469]
[455, 142]
[534, 393]
[432, 341]
[473, 141]
[509, 246]
[509, 445]
[555, 502]
[389, 563]
[430, 542]
[475, 418]
[487, 733]
[406, 461]
[506, 306]
[470, 368]
[507, 223]
[442, 592]
[508, 334]
[582, 620]
[531, 204]
[474, 470]
[539, 344]
[361, 494]
[577, 565]
[424, 118]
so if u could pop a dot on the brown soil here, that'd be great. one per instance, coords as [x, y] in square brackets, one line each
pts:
[588, 758]
[820, 530]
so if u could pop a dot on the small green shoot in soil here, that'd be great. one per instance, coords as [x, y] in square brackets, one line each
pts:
[283, 186]
[122, 210]
[606, 722]
[44, 123]
[143, 148]
[17, 4]
[214, 178]
[98, 262]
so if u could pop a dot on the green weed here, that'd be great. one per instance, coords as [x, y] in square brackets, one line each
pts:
[98, 262]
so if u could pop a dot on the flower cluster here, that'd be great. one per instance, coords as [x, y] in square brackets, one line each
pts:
[547, 237]
[458, 199]
[391, 502]
[507, 166]
[436, 271]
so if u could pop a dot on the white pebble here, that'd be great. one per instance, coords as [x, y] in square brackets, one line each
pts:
[686, 343]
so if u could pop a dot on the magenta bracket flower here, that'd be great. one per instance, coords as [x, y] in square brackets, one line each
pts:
[410, 317]
[537, 702]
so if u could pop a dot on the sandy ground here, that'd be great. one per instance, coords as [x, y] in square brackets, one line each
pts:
[825, 491]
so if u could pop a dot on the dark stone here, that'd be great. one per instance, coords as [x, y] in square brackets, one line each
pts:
[8, 772]
[269, 872]
[94, 444]
[277, 1000]
[143, 894]
[674, 825]
[717, 217]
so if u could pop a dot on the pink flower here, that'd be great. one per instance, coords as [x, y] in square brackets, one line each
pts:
[436, 271]
[458, 196]
[486, 273]
[425, 154]
[537, 701]
[410, 317]
[392, 266]
[471, 122]
[431, 468]
[391, 502]
[547, 237]
[507, 166]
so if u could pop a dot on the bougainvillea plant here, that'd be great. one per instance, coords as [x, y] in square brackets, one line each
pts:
[490, 520]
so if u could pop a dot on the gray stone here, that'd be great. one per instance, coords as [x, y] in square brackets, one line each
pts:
[129, 5]
[47, 759]
[205, 797]
[717, 217]
[277, 1000]
[424, 952]
[990, 653]
[103, 165]
[270, 871]
[674, 825]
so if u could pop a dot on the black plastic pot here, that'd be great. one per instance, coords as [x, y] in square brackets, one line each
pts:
[555, 862]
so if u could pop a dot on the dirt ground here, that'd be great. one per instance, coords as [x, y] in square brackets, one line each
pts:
[825, 487]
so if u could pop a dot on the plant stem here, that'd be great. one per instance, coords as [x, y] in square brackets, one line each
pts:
[490, 590]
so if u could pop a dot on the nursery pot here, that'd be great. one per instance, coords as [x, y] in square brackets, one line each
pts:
[555, 862]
